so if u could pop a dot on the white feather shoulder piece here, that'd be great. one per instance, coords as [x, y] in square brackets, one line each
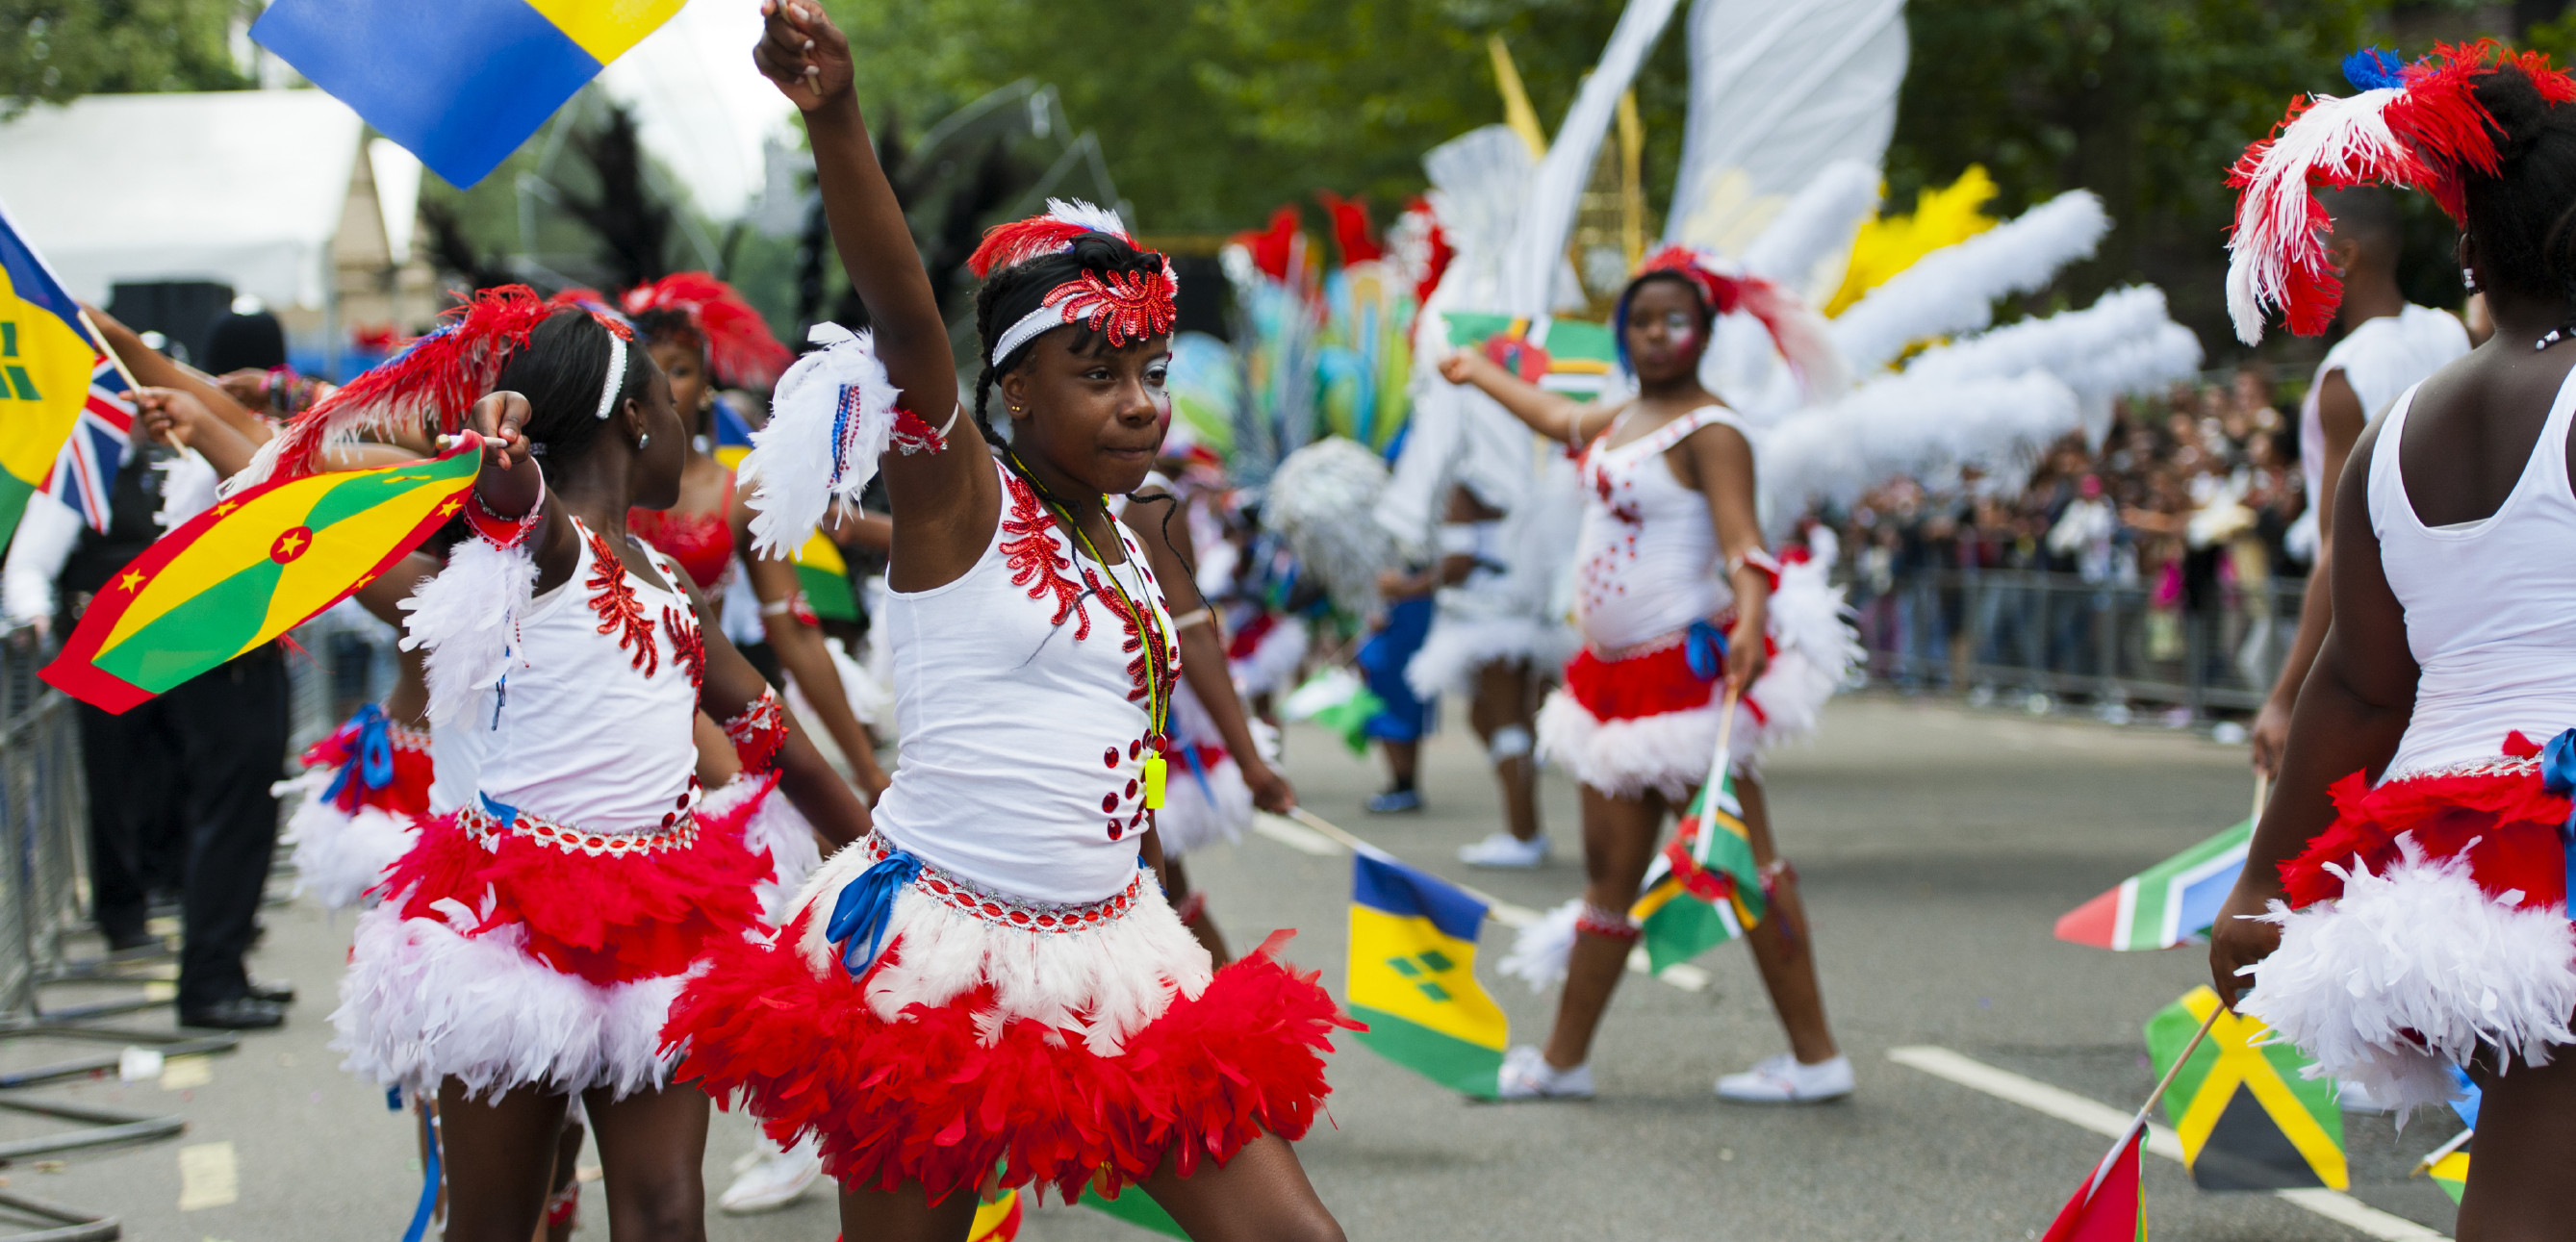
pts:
[830, 420]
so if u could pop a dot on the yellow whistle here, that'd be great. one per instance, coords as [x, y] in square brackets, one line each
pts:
[1154, 769]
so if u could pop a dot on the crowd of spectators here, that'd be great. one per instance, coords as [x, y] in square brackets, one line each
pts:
[2176, 529]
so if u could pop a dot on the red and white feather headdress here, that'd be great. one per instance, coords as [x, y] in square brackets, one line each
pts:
[1797, 331]
[427, 387]
[2416, 126]
[1122, 308]
[740, 348]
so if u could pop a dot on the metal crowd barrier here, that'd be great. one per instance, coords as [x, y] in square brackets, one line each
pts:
[2000, 633]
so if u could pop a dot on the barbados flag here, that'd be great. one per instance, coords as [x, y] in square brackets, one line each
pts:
[820, 572]
[1413, 976]
[460, 82]
[45, 361]
[251, 568]
[1704, 889]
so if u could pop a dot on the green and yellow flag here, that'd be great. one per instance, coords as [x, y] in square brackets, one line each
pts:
[1571, 356]
[1413, 976]
[252, 568]
[2451, 1173]
[1704, 889]
[45, 362]
[2249, 1119]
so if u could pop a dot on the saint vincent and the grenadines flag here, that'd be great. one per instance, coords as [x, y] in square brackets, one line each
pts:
[461, 83]
[45, 362]
[1413, 976]
[820, 572]
[2248, 1117]
[251, 568]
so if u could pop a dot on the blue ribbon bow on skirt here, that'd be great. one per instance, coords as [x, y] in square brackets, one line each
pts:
[865, 909]
[371, 760]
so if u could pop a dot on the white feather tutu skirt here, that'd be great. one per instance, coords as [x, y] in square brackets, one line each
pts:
[1265, 653]
[361, 798]
[515, 952]
[2428, 923]
[1462, 642]
[1642, 718]
[1054, 1042]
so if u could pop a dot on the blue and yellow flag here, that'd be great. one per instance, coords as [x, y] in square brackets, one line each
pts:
[461, 83]
[45, 362]
[1413, 976]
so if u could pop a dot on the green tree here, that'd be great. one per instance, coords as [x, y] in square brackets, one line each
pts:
[61, 49]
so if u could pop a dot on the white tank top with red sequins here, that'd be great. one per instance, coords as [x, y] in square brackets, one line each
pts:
[1646, 556]
[1020, 692]
[594, 725]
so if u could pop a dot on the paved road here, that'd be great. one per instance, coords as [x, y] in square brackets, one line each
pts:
[1937, 847]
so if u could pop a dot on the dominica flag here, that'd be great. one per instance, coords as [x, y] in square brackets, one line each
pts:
[820, 572]
[2166, 904]
[2111, 1204]
[1704, 889]
[1413, 976]
[460, 82]
[1571, 356]
[2249, 1119]
[85, 468]
[45, 363]
[251, 568]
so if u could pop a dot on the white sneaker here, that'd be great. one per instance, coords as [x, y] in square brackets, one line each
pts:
[1505, 850]
[2353, 1097]
[1526, 1075]
[775, 1180]
[1782, 1080]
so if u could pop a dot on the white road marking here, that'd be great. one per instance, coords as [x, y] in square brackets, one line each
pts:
[207, 1177]
[2109, 1122]
[183, 1073]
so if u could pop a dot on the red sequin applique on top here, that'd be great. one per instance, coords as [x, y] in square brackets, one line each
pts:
[615, 602]
[1135, 644]
[688, 644]
[1035, 561]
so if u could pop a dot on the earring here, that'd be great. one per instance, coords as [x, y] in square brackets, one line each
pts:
[642, 440]
[2469, 279]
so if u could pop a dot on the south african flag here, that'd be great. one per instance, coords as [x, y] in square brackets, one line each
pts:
[251, 568]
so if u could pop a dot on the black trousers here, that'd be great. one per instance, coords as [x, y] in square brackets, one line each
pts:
[202, 757]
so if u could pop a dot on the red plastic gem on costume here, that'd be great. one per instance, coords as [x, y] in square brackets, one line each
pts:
[1131, 789]
[1115, 831]
[1109, 802]
[1135, 748]
[1110, 757]
[595, 843]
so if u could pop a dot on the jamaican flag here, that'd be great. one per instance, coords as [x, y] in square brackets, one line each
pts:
[1413, 976]
[2248, 1118]
[1704, 889]
[820, 572]
[251, 568]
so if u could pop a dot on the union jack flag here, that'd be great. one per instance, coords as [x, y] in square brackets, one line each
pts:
[85, 471]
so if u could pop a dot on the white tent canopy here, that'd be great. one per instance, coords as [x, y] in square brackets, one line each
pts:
[242, 187]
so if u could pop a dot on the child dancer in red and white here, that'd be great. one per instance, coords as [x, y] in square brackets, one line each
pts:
[2404, 905]
[990, 988]
[529, 944]
[1677, 600]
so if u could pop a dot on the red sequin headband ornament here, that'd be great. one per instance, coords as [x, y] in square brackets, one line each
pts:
[1123, 307]
[430, 384]
[740, 347]
[1796, 331]
[2416, 126]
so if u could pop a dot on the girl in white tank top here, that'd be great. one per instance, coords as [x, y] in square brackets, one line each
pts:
[991, 988]
[1676, 599]
[2403, 912]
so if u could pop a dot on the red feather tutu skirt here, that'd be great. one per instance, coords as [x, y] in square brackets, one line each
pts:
[2428, 922]
[363, 793]
[1054, 1043]
[517, 952]
[1639, 720]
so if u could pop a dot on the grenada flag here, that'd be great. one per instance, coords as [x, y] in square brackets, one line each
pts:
[251, 568]
[1704, 889]
[45, 361]
[1413, 976]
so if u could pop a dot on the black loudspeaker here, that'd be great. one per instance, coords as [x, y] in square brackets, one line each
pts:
[185, 311]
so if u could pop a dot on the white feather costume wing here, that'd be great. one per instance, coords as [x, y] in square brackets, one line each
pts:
[1903, 425]
[1537, 254]
[1953, 289]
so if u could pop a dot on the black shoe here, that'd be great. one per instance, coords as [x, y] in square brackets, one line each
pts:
[241, 1013]
[128, 942]
[273, 993]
